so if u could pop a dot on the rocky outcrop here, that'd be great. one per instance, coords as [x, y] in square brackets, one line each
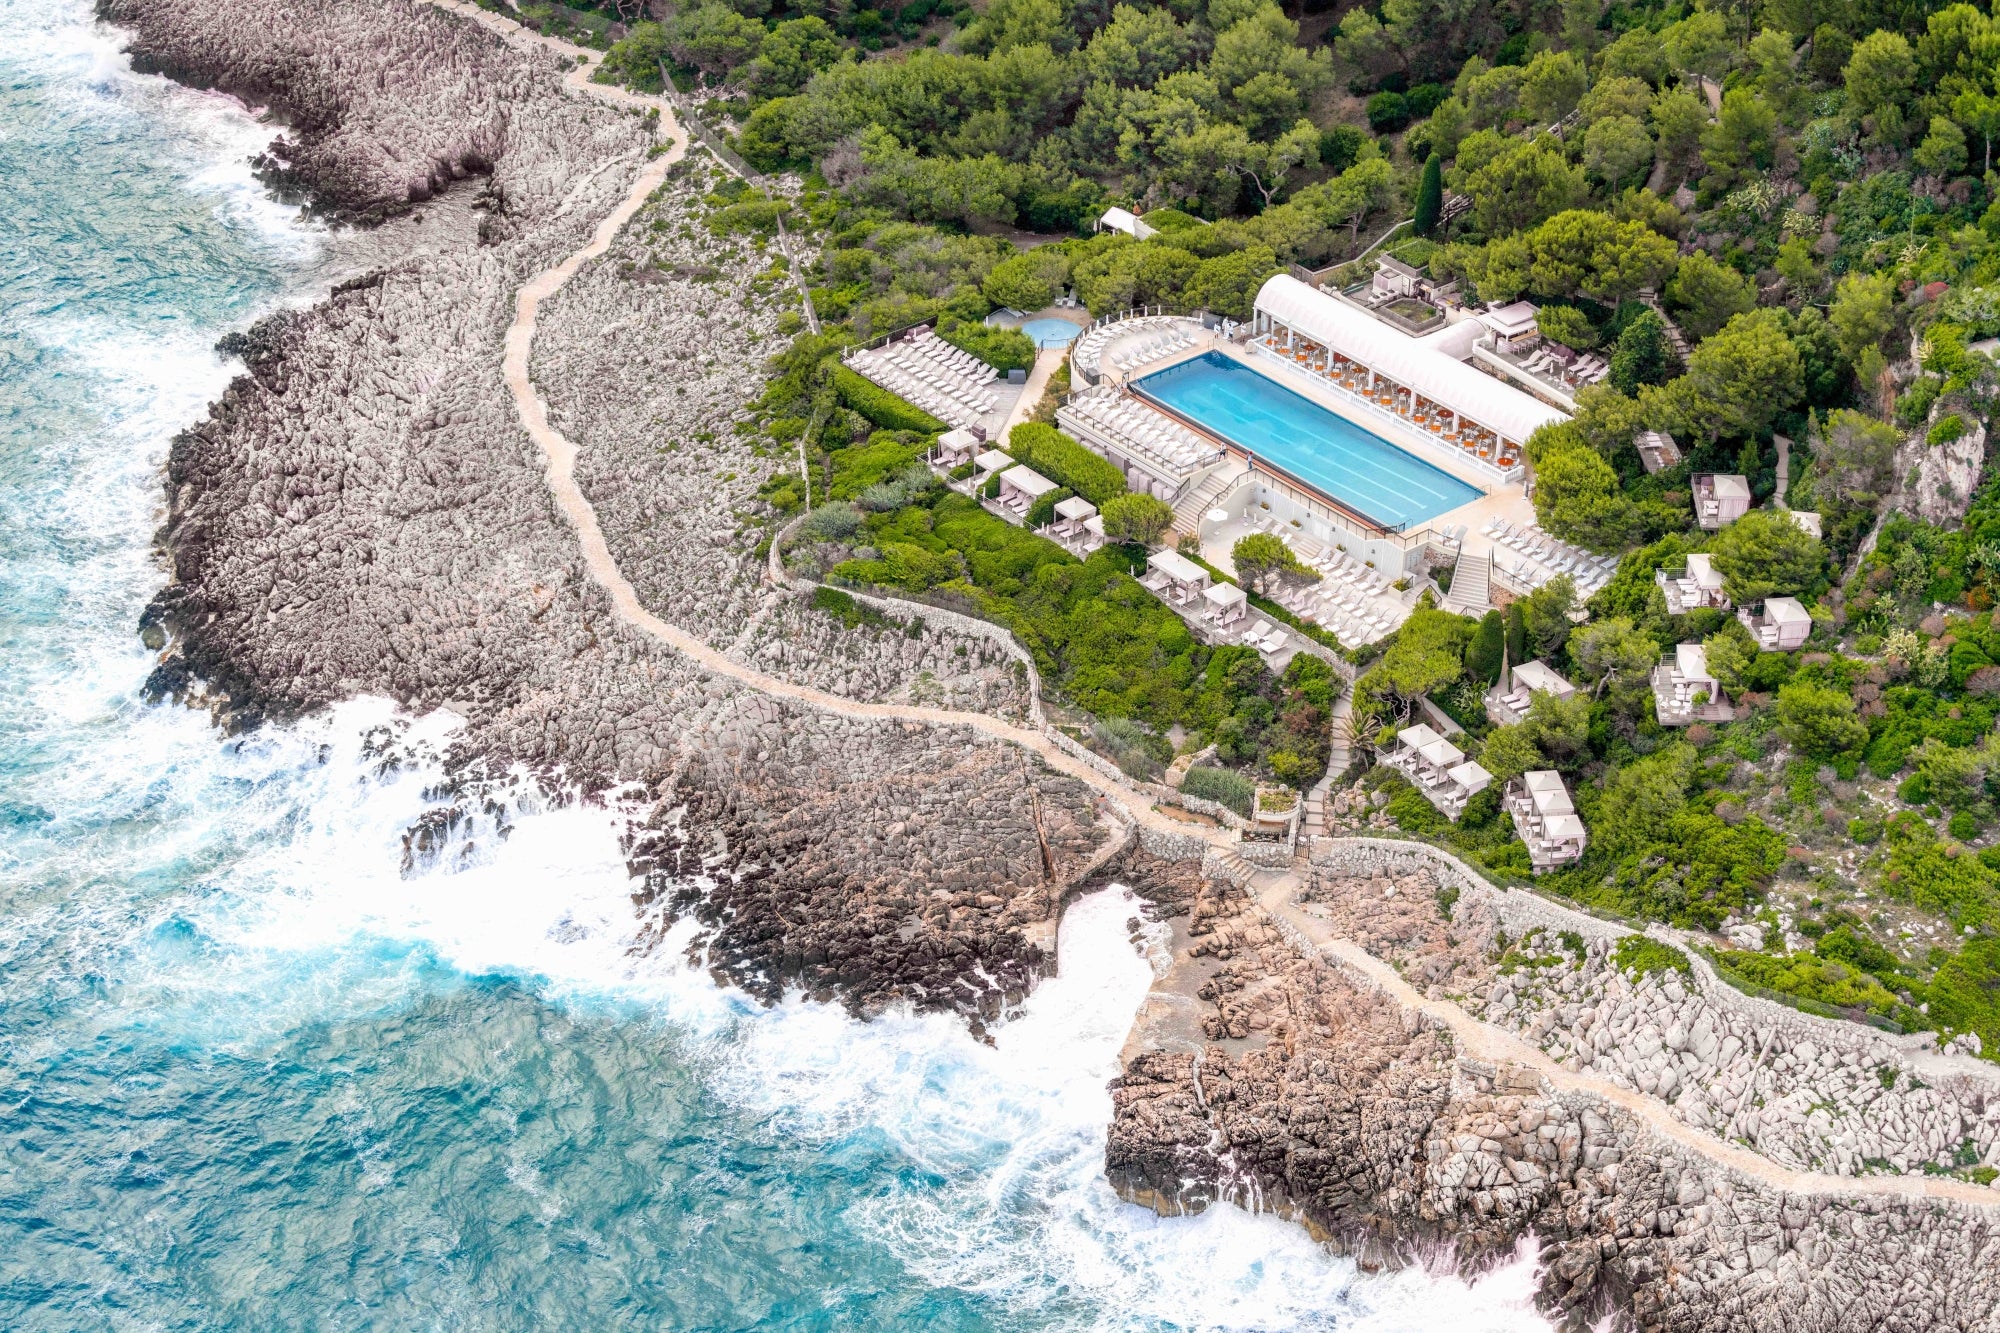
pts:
[1307, 1090]
[363, 512]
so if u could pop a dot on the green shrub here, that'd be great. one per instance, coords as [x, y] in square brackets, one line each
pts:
[1864, 829]
[1821, 980]
[1043, 510]
[1225, 786]
[1964, 826]
[1064, 461]
[832, 522]
[1947, 429]
[860, 466]
[880, 406]
[1002, 349]
[1644, 956]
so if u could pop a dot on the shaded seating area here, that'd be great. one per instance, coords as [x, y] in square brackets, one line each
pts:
[1459, 407]
[1020, 487]
[956, 447]
[1696, 586]
[1437, 768]
[1782, 626]
[1176, 579]
[1545, 819]
[1507, 703]
[1077, 525]
[1684, 692]
[1720, 498]
[1224, 605]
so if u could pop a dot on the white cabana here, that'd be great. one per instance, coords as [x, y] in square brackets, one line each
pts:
[1441, 754]
[1547, 791]
[1471, 778]
[1545, 819]
[1075, 509]
[1285, 302]
[992, 460]
[1536, 676]
[1178, 569]
[1020, 487]
[1223, 603]
[1416, 736]
[955, 446]
[1125, 220]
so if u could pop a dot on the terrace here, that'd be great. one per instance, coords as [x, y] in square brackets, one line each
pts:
[1695, 588]
[1438, 768]
[1507, 703]
[952, 385]
[1217, 612]
[1545, 819]
[1684, 692]
[1657, 450]
[1158, 454]
[1782, 626]
[1525, 558]
[1356, 602]
[1720, 498]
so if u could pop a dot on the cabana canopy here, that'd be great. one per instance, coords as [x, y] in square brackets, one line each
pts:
[1417, 737]
[1075, 507]
[992, 461]
[1444, 380]
[1546, 790]
[1471, 776]
[1442, 753]
[1562, 826]
[1535, 675]
[1786, 611]
[1027, 481]
[960, 441]
[1692, 659]
[1177, 567]
[1220, 595]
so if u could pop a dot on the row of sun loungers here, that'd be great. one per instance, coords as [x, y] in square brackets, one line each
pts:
[1153, 349]
[1087, 353]
[1141, 430]
[1549, 558]
[1351, 378]
[943, 380]
[1583, 370]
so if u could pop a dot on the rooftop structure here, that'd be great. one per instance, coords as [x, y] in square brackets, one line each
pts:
[1514, 326]
[990, 461]
[1720, 498]
[1684, 692]
[1782, 626]
[1409, 377]
[1439, 769]
[1545, 819]
[1125, 220]
[1657, 450]
[1077, 525]
[1507, 703]
[1699, 585]
[1808, 522]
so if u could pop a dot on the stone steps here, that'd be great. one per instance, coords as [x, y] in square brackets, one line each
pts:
[1471, 586]
[1187, 514]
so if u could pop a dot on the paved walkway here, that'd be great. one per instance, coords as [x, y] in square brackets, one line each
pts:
[1046, 361]
[1277, 896]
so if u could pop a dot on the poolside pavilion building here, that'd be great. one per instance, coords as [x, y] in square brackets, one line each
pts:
[1463, 409]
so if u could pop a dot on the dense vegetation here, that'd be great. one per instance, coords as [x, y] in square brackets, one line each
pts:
[1773, 220]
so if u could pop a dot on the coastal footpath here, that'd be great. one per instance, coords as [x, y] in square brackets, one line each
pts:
[452, 484]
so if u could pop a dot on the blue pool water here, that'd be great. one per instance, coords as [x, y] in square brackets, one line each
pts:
[1298, 436]
[1051, 332]
[254, 1077]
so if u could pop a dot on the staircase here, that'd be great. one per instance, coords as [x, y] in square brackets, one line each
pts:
[1312, 821]
[1187, 514]
[1651, 300]
[1472, 586]
[1224, 863]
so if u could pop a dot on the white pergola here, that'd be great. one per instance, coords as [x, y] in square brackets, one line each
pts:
[1415, 370]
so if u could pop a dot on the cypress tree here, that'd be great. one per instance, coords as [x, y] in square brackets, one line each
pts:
[1517, 634]
[1430, 196]
[1482, 653]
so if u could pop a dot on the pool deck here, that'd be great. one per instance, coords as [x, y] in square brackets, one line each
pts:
[1506, 500]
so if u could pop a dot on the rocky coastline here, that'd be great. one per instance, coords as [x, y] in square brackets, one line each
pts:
[363, 512]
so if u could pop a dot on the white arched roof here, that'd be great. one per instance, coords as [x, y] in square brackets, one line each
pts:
[1359, 337]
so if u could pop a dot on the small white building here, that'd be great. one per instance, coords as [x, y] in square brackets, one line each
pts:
[1223, 604]
[1684, 692]
[1782, 626]
[1126, 221]
[1697, 586]
[1507, 703]
[1545, 819]
[1513, 326]
[1438, 768]
[1393, 279]
[1175, 577]
[1720, 498]
[1808, 522]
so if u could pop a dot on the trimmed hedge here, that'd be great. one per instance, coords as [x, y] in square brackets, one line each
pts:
[1064, 461]
[880, 406]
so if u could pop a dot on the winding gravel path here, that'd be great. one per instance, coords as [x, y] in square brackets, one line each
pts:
[1473, 1035]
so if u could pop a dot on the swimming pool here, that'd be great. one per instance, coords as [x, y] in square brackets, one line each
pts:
[1298, 436]
[1051, 332]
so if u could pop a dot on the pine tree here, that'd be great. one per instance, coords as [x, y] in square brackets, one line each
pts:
[1430, 196]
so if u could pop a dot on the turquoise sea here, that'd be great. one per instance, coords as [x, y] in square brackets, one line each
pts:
[252, 1077]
